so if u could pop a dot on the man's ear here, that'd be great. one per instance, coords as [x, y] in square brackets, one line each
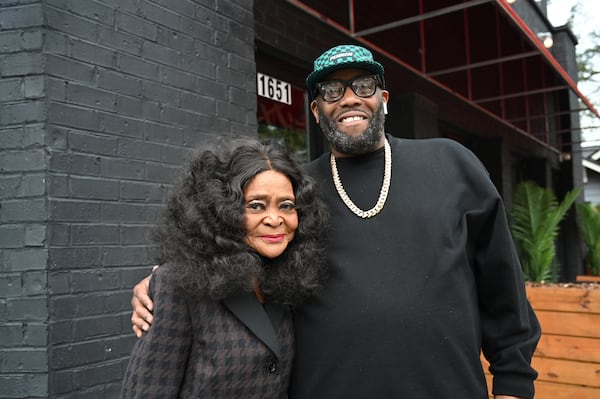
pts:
[385, 97]
[315, 110]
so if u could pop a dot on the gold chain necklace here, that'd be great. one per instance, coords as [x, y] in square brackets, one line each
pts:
[385, 186]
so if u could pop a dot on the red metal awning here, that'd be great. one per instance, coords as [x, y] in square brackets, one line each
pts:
[479, 50]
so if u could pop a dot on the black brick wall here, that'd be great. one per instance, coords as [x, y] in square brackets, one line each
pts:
[292, 34]
[100, 103]
[23, 250]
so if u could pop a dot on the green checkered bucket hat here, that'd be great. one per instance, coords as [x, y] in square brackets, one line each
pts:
[342, 57]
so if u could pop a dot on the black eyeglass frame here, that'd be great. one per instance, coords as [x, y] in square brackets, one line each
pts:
[346, 84]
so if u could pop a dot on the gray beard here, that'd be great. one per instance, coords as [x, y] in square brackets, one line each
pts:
[354, 145]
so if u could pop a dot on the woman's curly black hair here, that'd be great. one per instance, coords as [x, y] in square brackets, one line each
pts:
[200, 233]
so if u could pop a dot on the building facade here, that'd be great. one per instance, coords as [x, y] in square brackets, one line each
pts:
[101, 101]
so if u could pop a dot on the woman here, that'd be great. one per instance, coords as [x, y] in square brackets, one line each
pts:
[240, 242]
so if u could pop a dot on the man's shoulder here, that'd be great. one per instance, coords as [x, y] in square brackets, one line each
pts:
[435, 151]
[318, 166]
[428, 143]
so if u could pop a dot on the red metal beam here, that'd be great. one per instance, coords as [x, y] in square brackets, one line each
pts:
[351, 15]
[482, 64]
[395, 59]
[468, 53]
[422, 17]
[549, 115]
[521, 94]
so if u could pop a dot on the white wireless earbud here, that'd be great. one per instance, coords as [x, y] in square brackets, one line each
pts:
[385, 108]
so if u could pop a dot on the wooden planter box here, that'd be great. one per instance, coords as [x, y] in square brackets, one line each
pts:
[568, 355]
[585, 278]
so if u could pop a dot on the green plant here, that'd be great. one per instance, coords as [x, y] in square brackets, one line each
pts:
[536, 215]
[294, 140]
[588, 221]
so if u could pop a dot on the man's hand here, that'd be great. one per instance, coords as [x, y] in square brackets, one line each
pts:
[141, 317]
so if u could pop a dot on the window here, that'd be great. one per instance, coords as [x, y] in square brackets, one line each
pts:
[285, 122]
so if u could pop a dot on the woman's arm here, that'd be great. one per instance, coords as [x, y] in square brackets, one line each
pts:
[159, 359]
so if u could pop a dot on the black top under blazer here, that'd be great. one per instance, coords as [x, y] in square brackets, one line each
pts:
[198, 348]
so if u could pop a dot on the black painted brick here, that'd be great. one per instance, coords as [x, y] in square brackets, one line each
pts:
[73, 211]
[71, 116]
[11, 88]
[23, 210]
[34, 283]
[87, 281]
[33, 185]
[69, 69]
[161, 93]
[122, 168]
[160, 54]
[90, 97]
[71, 24]
[94, 11]
[23, 360]
[11, 236]
[30, 386]
[21, 64]
[26, 309]
[35, 235]
[68, 258]
[127, 213]
[176, 155]
[199, 66]
[92, 144]
[77, 354]
[121, 125]
[24, 112]
[137, 67]
[137, 107]
[23, 259]
[73, 163]
[10, 41]
[135, 234]
[136, 26]
[163, 16]
[76, 306]
[163, 133]
[22, 161]
[33, 87]
[21, 17]
[161, 173]
[10, 286]
[23, 334]
[108, 37]
[93, 327]
[146, 192]
[119, 83]
[58, 185]
[94, 234]
[93, 188]
[126, 88]
[97, 374]
[175, 40]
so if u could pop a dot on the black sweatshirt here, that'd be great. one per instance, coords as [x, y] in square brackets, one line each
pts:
[417, 291]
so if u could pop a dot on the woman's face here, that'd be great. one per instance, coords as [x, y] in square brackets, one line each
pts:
[270, 213]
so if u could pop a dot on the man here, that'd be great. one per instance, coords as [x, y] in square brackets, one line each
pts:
[423, 273]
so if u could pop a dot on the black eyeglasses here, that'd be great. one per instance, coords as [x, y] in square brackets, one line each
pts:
[362, 86]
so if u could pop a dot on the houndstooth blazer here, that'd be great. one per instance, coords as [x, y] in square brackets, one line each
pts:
[197, 348]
